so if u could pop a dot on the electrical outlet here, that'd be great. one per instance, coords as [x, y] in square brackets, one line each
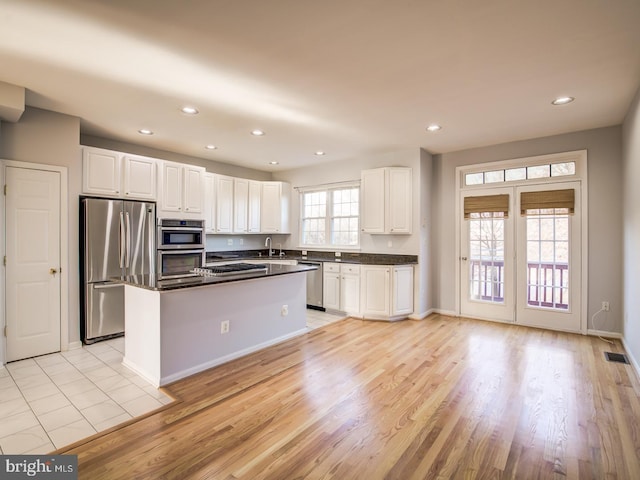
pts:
[338, 254]
[284, 311]
[605, 306]
[241, 241]
[390, 244]
[224, 326]
[304, 253]
[229, 241]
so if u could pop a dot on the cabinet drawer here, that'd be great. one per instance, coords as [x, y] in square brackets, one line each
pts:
[331, 267]
[355, 269]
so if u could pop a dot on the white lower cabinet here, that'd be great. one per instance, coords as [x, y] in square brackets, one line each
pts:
[386, 291]
[341, 288]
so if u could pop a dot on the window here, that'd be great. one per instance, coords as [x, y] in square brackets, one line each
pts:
[330, 217]
[561, 169]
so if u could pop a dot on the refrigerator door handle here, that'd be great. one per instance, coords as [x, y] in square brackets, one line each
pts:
[128, 240]
[102, 286]
[121, 239]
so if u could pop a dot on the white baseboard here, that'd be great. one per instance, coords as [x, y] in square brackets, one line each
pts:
[219, 361]
[604, 334]
[74, 345]
[421, 316]
[632, 359]
[448, 313]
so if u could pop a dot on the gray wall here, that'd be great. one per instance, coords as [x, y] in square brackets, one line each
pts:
[52, 138]
[604, 164]
[631, 174]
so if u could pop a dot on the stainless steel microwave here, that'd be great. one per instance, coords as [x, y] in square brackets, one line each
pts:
[180, 234]
[179, 263]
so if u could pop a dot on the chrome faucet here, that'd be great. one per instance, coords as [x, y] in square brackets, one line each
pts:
[267, 243]
[281, 254]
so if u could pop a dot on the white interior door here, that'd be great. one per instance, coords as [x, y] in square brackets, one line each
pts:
[549, 262]
[486, 260]
[33, 262]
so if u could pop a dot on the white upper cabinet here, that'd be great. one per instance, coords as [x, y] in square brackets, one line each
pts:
[193, 192]
[113, 174]
[209, 203]
[224, 204]
[274, 208]
[181, 191]
[240, 205]
[387, 202]
[101, 172]
[140, 177]
[253, 210]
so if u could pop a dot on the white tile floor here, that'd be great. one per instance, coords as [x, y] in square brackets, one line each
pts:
[51, 401]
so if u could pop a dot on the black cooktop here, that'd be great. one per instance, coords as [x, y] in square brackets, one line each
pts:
[233, 269]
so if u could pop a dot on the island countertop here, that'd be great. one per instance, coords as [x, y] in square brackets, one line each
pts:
[151, 282]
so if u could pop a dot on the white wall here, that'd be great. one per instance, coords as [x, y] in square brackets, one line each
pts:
[631, 228]
[604, 151]
[52, 138]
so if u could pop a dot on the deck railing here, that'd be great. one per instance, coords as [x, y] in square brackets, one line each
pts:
[547, 283]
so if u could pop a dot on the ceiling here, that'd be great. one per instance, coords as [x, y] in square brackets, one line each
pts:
[348, 77]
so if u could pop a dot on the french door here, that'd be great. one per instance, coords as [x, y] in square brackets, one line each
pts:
[520, 258]
[486, 260]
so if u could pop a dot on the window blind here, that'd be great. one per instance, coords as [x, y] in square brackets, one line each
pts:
[547, 199]
[486, 203]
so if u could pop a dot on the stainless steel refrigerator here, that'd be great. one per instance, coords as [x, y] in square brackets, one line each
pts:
[117, 238]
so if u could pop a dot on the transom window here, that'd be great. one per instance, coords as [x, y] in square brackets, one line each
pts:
[548, 170]
[330, 217]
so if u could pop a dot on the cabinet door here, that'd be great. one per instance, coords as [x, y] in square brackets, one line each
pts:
[270, 213]
[193, 192]
[373, 200]
[399, 200]
[224, 204]
[140, 177]
[375, 282]
[171, 188]
[209, 203]
[240, 205]
[350, 293]
[101, 172]
[331, 291]
[402, 294]
[255, 192]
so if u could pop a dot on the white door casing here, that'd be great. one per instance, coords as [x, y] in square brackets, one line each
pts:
[33, 279]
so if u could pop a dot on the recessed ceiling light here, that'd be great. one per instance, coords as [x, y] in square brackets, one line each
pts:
[563, 100]
[433, 128]
[257, 132]
[189, 110]
[211, 147]
[319, 153]
[273, 163]
[145, 131]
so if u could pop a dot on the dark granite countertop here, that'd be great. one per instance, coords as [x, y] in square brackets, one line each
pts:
[151, 282]
[346, 257]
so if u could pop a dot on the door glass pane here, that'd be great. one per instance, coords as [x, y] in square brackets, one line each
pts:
[486, 257]
[548, 259]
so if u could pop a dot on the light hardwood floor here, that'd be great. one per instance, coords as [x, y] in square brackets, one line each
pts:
[433, 399]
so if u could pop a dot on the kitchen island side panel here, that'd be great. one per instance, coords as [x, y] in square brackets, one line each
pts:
[142, 332]
[190, 326]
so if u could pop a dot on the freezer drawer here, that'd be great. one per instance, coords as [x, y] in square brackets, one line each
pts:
[105, 310]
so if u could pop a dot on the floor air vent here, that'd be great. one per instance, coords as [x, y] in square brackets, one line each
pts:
[616, 357]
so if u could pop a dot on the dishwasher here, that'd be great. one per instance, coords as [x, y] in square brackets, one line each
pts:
[314, 285]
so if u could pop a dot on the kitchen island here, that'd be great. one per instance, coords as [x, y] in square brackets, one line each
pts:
[176, 327]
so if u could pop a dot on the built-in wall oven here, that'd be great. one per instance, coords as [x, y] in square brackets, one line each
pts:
[181, 247]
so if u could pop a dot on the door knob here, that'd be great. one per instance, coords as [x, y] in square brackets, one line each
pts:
[463, 258]
[53, 271]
